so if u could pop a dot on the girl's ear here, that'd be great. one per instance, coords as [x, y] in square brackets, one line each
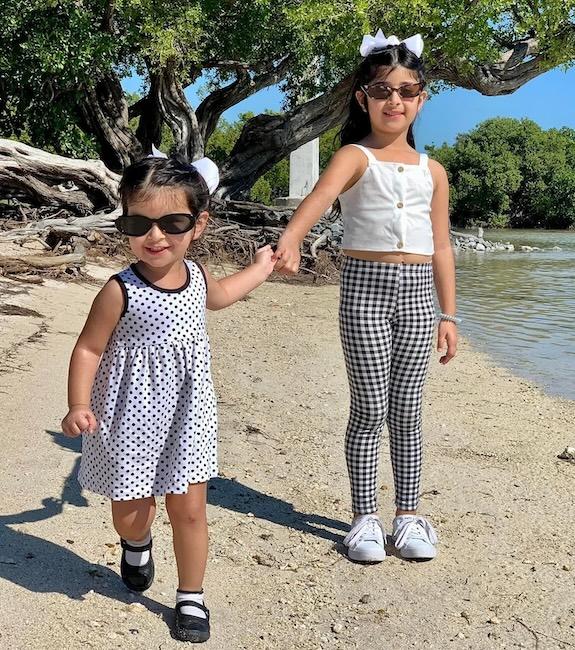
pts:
[422, 99]
[361, 100]
[201, 223]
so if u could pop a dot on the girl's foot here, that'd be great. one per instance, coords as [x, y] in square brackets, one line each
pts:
[137, 565]
[192, 617]
[414, 537]
[365, 541]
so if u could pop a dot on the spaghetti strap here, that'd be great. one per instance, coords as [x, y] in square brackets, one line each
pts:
[370, 157]
[423, 158]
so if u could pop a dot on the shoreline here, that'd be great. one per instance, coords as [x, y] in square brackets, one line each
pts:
[277, 577]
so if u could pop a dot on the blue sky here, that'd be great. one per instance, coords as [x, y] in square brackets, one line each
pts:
[547, 100]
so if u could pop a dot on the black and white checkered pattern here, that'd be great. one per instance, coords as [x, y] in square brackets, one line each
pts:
[387, 320]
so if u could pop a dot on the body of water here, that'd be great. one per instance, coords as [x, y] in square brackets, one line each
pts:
[520, 306]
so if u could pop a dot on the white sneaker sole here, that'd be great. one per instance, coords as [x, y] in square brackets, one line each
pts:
[416, 554]
[362, 556]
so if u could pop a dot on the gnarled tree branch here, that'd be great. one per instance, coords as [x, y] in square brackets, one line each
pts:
[210, 110]
[266, 139]
[176, 111]
[105, 111]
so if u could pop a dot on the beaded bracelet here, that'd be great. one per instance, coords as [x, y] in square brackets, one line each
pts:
[449, 317]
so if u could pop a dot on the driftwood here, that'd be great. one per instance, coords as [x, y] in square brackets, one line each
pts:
[235, 232]
[42, 262]
[81, 186]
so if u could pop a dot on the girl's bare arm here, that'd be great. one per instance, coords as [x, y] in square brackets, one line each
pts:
[344, 170]
[102, 319]
[443, 260]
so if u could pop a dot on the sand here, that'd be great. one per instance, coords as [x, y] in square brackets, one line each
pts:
[277, 577]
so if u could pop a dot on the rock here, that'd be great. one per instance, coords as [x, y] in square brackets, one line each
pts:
[567, 454]
[509, 247]
[366, 598]
[526, 249]
[137, 608]
[34, 245]
[337, 628]
[494, 620]
[480, 247]
[261, 560]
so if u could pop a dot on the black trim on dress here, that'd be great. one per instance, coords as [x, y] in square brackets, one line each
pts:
[145, 280]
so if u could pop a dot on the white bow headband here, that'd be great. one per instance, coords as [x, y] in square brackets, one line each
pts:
[371, 43]
[205, 167]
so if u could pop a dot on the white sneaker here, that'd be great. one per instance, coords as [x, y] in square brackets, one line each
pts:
[365, 541]
[414, 537]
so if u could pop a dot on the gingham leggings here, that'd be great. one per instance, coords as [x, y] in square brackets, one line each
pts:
[386, 323]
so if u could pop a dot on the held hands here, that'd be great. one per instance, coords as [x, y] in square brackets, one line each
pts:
[80, 419]
[264, 260]
[287, 256]
[446, 339]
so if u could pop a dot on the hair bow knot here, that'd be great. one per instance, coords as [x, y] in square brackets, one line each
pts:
[205, 167]
[370, 43]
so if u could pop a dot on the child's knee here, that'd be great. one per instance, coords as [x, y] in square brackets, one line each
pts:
[186, 512]
[132, 519]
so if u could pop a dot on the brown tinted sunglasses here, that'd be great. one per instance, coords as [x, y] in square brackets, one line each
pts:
[380, 90]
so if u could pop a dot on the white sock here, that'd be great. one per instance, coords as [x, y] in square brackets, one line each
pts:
[196, 597]
[138, 558]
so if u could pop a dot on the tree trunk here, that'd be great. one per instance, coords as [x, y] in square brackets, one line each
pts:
[81, 186]
[105, 111]
[266, 139]
[177, 112]
[212, 107]
[149, 131]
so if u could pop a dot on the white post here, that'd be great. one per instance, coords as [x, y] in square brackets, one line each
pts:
[303, 173]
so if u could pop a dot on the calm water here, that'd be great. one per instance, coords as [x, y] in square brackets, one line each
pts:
[520, 307]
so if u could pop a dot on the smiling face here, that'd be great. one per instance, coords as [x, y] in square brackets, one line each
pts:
[393, 115]
[158, 249]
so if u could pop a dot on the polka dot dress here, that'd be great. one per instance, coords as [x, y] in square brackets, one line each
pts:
[153, 395]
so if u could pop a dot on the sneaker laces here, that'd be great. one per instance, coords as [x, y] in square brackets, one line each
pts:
[414, 527]
[368, 529]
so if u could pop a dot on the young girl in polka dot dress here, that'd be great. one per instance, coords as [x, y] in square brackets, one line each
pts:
[139, 385]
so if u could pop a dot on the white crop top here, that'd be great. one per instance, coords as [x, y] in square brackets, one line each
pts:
[389, 208]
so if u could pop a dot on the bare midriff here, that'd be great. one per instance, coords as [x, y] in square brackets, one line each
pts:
[390, 257]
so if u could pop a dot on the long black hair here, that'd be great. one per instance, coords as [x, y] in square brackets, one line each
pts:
[149, 174]
[357, 125]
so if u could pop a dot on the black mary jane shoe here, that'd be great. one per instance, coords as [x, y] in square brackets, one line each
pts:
[137, 578]
[191, 628]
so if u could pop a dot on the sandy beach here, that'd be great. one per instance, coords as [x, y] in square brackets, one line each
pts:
[277, 577]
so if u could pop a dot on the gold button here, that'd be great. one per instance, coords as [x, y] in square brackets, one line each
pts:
[400, 204]
[400, 244]
[400, 169]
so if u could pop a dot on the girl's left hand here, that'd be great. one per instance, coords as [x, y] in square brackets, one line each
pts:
[264, 259]
[446, 338]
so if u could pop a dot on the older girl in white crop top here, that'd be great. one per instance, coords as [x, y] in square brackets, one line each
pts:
[394, 206]
[389, 207]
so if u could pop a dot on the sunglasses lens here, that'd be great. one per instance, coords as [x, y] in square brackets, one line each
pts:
[176, 224]
[379, 91]
[412, 90]
[133, 226]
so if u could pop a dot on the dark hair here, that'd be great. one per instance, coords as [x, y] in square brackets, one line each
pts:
[175, 173]
[357, 124]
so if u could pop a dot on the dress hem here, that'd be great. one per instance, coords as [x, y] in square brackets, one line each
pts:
[153, 493]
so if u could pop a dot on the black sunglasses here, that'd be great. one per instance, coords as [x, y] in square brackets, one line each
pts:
[380, 90]
[136, 225]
